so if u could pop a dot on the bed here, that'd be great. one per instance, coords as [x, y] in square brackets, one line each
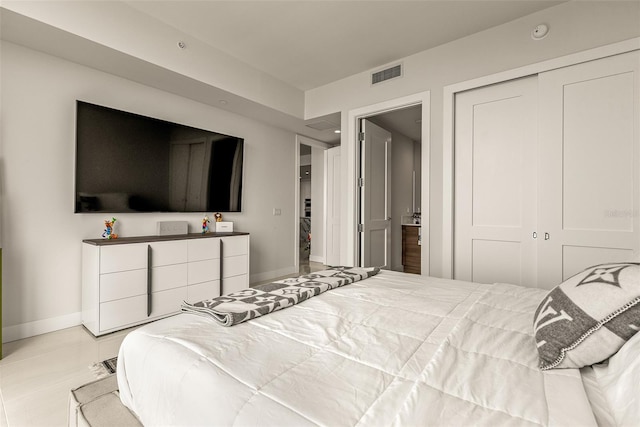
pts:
[391, 349]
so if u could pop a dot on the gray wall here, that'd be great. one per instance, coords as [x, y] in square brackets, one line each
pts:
[41, 234]
[574, 26]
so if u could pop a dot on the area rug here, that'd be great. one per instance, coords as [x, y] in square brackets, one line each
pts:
[104, 368]
[110, 364]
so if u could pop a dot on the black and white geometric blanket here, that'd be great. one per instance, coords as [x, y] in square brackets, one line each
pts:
[247, 304]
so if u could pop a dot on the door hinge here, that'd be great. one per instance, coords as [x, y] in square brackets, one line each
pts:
[360, 182]
[360, 136]
[360, 228]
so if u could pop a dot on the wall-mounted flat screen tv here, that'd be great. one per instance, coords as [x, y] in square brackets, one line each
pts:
[126, 162]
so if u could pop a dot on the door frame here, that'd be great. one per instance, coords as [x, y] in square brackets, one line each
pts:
[350, 164]
[448, 137]
[305, 140]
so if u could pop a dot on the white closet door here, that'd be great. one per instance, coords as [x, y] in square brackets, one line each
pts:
[495, 183]
[589, 166]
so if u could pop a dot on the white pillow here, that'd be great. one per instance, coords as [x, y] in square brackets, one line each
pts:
[619, 381]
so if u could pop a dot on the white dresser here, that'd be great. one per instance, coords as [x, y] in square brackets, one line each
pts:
[129, 281]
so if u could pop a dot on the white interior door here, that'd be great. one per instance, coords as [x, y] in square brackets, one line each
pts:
[375, 238]
[495, 183]
[333, 206]
[590, 167]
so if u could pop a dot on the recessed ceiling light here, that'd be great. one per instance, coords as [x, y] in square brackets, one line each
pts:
[182, 45]
[223, 102]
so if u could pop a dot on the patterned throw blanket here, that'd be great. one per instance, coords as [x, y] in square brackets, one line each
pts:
[247, 304]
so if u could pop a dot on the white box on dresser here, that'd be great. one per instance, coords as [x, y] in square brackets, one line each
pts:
[129, 281]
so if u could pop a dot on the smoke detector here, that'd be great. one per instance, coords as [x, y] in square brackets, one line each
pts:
[540, 32]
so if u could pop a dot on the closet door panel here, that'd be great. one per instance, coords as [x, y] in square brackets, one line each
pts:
[577, 258]
[495, 183]
[589, 177]
[496, 162]
[597, 153]
[497, 261]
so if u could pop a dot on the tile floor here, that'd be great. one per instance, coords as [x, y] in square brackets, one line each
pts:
[37, 373]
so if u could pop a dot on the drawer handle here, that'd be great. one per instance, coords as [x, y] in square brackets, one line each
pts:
[221, 263]
[148, 280]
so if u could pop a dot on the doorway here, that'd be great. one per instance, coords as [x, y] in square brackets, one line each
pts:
[304, 206]
[310, 205]
[389, 189]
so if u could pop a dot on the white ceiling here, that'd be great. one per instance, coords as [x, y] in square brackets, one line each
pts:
[304, 43]
[311, 43]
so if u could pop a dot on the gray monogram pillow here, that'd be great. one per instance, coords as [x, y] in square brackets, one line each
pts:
[589, 316]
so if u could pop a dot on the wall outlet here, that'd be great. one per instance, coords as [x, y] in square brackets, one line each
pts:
[277, 211]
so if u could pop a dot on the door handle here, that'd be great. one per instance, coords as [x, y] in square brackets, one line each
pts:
[534, 235]
[546, 236]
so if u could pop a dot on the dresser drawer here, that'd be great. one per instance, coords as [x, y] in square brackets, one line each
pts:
[202, 291]
[234, 266]
[167, 253]
[235, 284]
[203, 271]
[123, 257]
[123, 312]
[167, 302]
[201, 249]
[168, 277]
[123, 284]
[233, 246]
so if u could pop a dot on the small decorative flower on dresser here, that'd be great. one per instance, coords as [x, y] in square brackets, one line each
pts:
[205, 225]
[109, 231]
[218, 217]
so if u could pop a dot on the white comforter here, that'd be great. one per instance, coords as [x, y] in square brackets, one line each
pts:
[394, 349]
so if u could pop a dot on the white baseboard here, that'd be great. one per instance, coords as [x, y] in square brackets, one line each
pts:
[272, 275]
[38, 327]
[316, 258]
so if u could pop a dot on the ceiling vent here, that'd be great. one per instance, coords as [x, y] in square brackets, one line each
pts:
[322, 125]
[386, 74]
